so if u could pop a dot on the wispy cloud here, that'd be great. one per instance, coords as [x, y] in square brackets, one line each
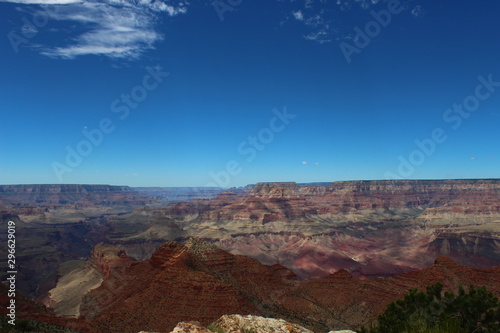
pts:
[43, 2]
[418, 11]
[325, 21]
[112, 28]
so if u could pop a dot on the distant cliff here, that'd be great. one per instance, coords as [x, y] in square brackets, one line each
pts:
[66, 188]
[173, 194]
[424, 199]
[371, 228]
[58, 193]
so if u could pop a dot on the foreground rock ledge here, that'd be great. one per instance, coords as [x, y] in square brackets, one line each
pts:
[244, 324]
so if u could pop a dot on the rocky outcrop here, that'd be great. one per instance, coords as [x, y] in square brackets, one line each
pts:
[241, 324]
[190, 328]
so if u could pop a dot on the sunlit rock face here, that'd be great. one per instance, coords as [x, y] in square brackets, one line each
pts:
[239, 323]
[66, 297]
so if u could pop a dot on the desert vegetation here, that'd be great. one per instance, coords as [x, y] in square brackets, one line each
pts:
[435, 311]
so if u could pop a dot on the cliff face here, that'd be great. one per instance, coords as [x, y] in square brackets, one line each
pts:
[446, 199]
[371, 228]
[57, 224]
[197, 281]
[61, 188]
[66, 297]
[41, 319]
[80, 195]
[437, 202]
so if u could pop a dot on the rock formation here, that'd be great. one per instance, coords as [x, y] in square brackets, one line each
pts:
[243, 324]
[198, 281]
[369, 228]
[240, 324]
[66, 297]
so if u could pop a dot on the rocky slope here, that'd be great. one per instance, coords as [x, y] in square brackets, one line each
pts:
[32, 316]
[371, 228]
[195, 280]
[198, 281]
[238, 323]
[58, 225]
[66, 297]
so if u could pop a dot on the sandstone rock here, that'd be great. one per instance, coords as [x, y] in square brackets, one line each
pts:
[242, 324]
[190, 328]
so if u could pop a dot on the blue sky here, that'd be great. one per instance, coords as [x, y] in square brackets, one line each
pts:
[234, 92]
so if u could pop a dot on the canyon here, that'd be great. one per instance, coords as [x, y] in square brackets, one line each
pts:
[196, 281]
[370, 228]
[75, 240]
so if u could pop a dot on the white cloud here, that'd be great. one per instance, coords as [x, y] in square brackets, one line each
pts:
[298, 15]
[304, 162]
[112, 28]
[318, 36]
[473, 158]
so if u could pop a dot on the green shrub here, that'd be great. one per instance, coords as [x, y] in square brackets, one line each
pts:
[476, 310]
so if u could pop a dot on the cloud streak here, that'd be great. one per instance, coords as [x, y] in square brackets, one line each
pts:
[43, 2]
[112, 28]
[326, 21]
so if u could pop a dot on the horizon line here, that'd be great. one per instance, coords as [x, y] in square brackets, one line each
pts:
[263, 182]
